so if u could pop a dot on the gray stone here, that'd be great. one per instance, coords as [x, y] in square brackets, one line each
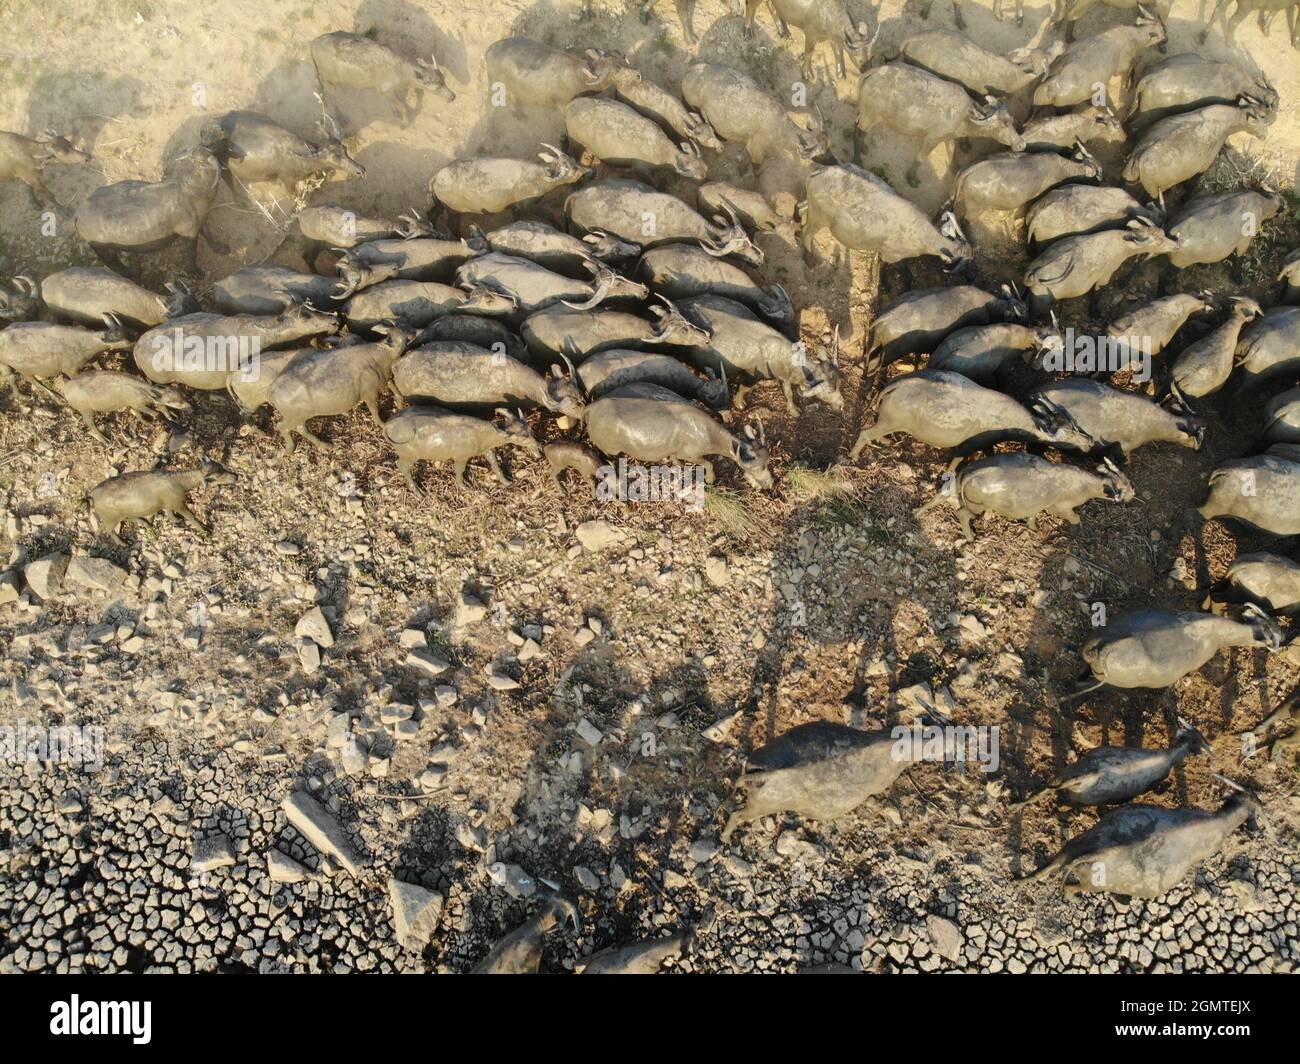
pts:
[98, 574]
[313, 625]
[715, 571]
[215, 851]
[415, 913]
[318, 827]
[945, 936]
[596, 536]
[425, 661]
[284, 869]
[45, 575]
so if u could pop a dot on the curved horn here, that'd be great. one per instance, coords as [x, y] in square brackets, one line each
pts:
[568, 364]
[604, 278]
[669, 304]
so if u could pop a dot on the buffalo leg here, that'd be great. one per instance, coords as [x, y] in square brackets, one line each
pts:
[788, 390]
[922, 154]
[89, 419]
[811, 224]
[112, 259]
[42, 196]
[407, 469]
[187, 515]
[491, 457]
[307, 434]
[938, 498]
[1237, 17]
[42, 386]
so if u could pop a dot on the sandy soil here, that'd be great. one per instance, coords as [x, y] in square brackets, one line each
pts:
[825, 605]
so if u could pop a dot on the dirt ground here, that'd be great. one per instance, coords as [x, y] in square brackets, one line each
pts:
[821, 600]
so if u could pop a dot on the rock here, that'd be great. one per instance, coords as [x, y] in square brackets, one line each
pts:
[284, 869]
[468, 610]
[318, 827]
[513, 880]
[45, 575]
[215, 851]
[353, 756]
[587, 879]
[945, 936]
[719, 730]
[596, 536]
[470, 837]
[309, 656]
[499, 682]
[703, 850]
[589, 733]
[715, 571]
[427, 662]
[583, 636]
[919, 698]
[97, 574]
[446, 695]
[415, 913]
[313, 625]
[8, 588]
[411, 638]
[69, 804]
